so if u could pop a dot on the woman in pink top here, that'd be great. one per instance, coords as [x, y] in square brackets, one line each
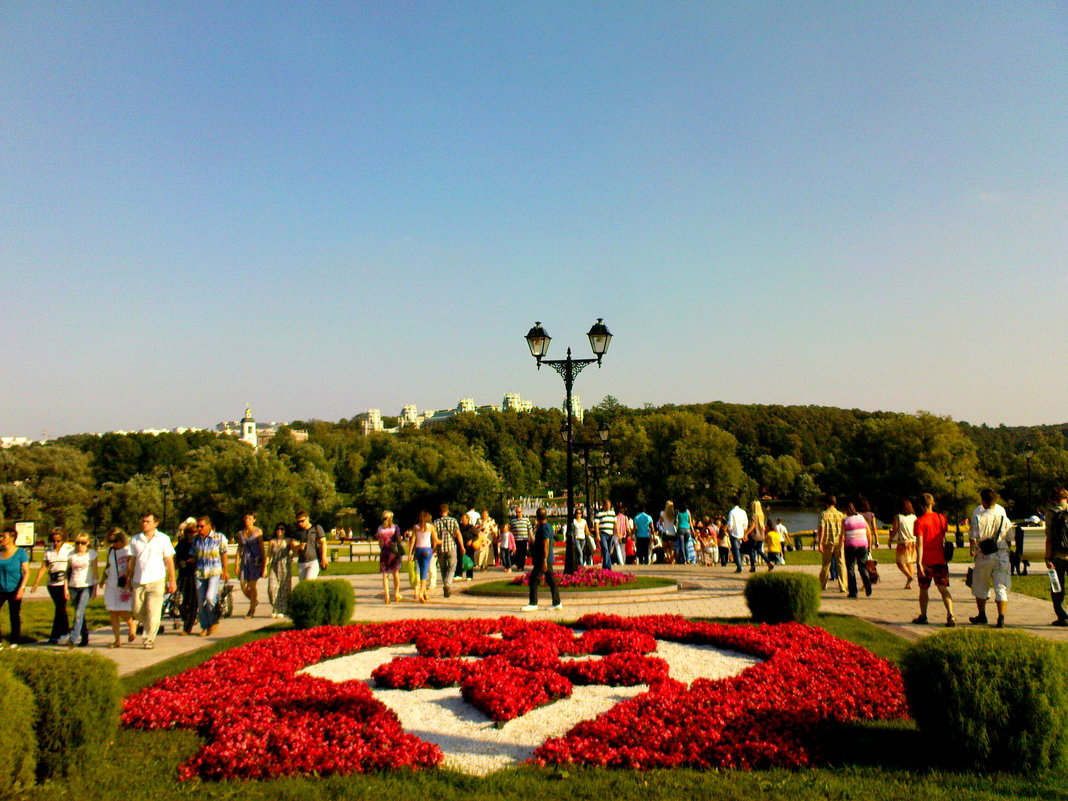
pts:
[389, 536]
[857, 536]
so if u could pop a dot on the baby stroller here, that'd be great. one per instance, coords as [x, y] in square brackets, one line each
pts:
[172, 605]
[224, 607]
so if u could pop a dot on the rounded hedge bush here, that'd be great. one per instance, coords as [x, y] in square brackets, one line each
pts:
[782, 597]
[76, 706]
[990, 700]
[321, 602]
[18, 744]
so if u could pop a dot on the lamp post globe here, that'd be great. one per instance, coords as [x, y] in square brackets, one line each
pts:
[600, 338]
[538, 340]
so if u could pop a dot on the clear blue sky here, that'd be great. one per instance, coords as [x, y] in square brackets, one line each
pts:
[320, 208]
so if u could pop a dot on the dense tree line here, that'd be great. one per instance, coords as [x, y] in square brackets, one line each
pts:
[703, 453]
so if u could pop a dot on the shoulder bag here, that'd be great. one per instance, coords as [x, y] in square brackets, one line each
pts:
[989, 546]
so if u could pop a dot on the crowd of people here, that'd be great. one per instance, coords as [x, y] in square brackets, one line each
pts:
[142, 573]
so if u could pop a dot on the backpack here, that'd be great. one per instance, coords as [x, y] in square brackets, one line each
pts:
[1059, 530]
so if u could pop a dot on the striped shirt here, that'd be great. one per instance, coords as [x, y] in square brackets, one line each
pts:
[447, 528]
[520, 529]
[605, 520]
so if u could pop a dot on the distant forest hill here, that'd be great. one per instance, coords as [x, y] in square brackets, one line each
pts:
[701, 454]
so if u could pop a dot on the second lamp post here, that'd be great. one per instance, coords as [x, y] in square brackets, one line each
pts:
[538, 340]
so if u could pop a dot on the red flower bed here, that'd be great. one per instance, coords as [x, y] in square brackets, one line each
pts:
[261, 719]
[585, 577]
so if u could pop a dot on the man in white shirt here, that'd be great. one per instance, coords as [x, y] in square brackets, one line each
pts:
[737, 523]
[149, 572]
[989, 540]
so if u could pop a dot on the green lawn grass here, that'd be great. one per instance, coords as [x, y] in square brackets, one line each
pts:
[879, 761]
[345, 568]
[37, 617]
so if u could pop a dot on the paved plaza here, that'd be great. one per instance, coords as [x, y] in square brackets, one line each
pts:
[702, 592]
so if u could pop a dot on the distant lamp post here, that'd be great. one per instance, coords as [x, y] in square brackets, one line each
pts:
[956, 478]
[165, 485]
[538, 340]
[1029, 451]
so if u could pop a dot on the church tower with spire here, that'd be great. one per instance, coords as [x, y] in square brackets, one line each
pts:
[248, 428]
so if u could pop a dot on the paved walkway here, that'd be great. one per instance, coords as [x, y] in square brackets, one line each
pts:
[703, 592]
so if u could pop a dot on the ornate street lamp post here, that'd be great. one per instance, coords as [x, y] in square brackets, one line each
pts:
[585, 449]
[1029, 451]
[956, 478]
[164, 485]
[538, 340]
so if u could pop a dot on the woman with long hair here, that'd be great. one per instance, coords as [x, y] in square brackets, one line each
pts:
[280, 570]
[55, 563]
[252, 564]
[903, 539]
[668, 531]
[389, 536]
[118, 597]
[755, 535]
[684, 540]
[425, 540]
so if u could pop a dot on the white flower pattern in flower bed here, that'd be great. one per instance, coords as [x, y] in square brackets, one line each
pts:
[472, 743]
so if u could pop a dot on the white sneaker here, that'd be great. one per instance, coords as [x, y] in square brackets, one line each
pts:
[557, 606]
[529, 608]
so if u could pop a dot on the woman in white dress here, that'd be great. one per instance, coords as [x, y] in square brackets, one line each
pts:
[117, 596]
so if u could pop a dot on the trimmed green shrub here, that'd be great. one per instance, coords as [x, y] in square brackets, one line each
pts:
[782, 597]
[990, 700]
[18, 744]
[321, 602]
[76, 706]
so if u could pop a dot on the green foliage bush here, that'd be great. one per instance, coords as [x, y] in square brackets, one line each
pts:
[990, 700]
[18, 745]
[782, 597]
[76, 706]
[321, 602]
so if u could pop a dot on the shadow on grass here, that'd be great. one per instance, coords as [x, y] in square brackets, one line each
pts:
[894, 745]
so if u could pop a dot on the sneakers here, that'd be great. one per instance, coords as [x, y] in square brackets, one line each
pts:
[978, 620]
[557, 607]
[529, 608]
[921, 620]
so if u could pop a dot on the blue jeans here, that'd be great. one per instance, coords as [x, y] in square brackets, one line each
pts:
[422, 561]
[757, 552]
[606, 550]
[79, 598]
[207, 597]
[736, 551]
[580, 551]
[682, 542]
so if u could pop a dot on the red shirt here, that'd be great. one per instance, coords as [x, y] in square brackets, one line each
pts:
[930, 529]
